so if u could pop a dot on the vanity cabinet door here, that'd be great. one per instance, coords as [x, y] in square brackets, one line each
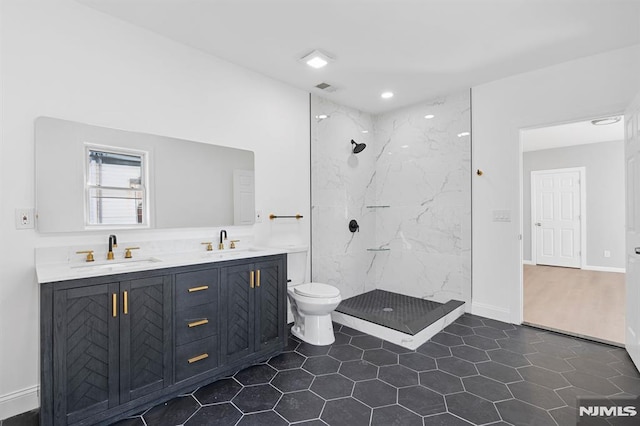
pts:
[237, 309]
[85, 355]
[270, 303]
[145, 336]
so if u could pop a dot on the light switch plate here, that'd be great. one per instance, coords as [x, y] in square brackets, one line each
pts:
[258, 216]
[24, 218]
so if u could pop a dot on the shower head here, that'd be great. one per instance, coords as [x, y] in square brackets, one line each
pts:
[358, 147]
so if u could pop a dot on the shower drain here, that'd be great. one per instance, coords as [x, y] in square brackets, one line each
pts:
[387, 309]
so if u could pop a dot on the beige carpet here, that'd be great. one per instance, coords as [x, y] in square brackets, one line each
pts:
[587, 303]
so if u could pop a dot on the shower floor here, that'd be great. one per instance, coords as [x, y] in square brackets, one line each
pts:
[405, 314]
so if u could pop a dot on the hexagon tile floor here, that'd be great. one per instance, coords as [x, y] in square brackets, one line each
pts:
[477, 371]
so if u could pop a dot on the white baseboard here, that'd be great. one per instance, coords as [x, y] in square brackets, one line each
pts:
[19, 402]
[527, 262]
[490, 311]
[604, 269]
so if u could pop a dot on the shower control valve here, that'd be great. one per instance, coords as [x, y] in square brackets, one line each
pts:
[353, 226]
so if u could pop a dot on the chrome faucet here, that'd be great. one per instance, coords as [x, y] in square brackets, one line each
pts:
[113, 242]
[221, 245]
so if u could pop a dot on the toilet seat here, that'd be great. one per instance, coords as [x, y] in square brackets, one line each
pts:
[316, 290]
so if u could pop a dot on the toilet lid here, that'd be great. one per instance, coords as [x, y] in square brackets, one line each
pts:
[316, 290]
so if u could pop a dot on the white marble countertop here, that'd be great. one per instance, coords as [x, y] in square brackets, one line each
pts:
[63, 271]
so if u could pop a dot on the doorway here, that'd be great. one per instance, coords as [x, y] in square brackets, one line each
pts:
[573, 229]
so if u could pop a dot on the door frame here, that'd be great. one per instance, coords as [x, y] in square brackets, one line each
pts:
[582, 171]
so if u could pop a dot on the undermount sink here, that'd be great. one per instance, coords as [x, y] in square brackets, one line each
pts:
[123, 264]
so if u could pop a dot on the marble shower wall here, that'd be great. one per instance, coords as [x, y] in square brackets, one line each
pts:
[420, 170]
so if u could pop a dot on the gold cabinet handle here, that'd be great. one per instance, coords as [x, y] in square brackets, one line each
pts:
[252, 279]
[197, 323]
[258, 278]
[202, 287]
[114, 305]
[127, 251]
[89, 254]
[198, 358]
[126, 302]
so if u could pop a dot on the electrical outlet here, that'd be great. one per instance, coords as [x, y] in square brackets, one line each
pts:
[607, 253]
[24, 218]
[258, 216]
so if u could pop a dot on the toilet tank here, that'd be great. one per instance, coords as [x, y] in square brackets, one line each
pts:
[296, 264]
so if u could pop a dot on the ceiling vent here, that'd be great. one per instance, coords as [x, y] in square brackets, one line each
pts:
[326, 87]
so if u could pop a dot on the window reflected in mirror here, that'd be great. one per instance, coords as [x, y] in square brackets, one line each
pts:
[115, 187]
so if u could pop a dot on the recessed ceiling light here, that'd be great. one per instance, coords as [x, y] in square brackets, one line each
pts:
[463, 134]
[316, 59]
[605, 121]
[386, 95]
[404, 146]
[322, 116]
[429, 116]
[364, 131]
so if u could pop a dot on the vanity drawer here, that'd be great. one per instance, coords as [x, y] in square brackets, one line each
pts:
[196, 357]
[196, 288]
[196, 323]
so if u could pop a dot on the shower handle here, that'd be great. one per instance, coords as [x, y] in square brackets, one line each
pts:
[353, 226]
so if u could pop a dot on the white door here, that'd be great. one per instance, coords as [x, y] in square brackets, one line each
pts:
[243, 197]
[632, 158]
[556, 201]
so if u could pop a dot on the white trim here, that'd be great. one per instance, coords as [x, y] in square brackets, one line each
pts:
[18, 402]
[396, 337]
[604, 269]
[528, 262]
[489, 311]
[582, 172]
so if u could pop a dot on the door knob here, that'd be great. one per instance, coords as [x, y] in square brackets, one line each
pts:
[537, 224]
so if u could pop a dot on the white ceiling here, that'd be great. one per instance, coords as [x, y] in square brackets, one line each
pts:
[415, 48]
[571, 134]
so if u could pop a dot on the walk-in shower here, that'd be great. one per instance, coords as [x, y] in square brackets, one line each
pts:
[409, 266]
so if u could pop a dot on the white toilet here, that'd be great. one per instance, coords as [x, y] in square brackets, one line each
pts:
[311, 303]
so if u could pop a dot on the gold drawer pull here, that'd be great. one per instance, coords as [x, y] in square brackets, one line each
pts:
[126, 302]
[114, 306]
[203, 287]
[198, 358]
[252, 279]
[258, 278]
[197, 323]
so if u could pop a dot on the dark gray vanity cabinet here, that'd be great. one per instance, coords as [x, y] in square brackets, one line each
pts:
[254, 308]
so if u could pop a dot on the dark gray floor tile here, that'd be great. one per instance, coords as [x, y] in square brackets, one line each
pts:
[445, 419]
[525, 334]
[345, 353]
[627, 368]
[346, 412]
[421, 400]
[332, 386]
[543, 377]
[375, 393]
[321, 365]
[292, 344]
[600, 355]
[132, 421]
[292, 380]
[316, 422]
[341, 339]
[517, 346]
[459, 330]
[336, 326]
[416, 361]
[220, 414]
[256, 374]
[571, 394]
[257, 398]
[591, 383]
[593, 367]
[307, 349]
[398, 375]
[537, 395]
[441, 382]
[628, 384]
[434, 350]
[456, 366]
[472, 408]
[487, 388]
[380, 357]
[522, 414]
[173, 412]
[490, 332]
[351, 331]
[555, 350]
[549, 362]
[500, 372]
[565, 416]
[221, 391]
[299, 406]
[366, 342]
[32, 418]
[287, 360]
[480, 342]
[559, 339]
[395, 348]
[359, 370]
[266, 418]
[447, 339]
[509, 358]
[394, 415]
[469, 353]
[497, 324]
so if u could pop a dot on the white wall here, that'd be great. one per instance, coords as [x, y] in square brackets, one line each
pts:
[571, 91]
[605, 186]
[64, 60]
